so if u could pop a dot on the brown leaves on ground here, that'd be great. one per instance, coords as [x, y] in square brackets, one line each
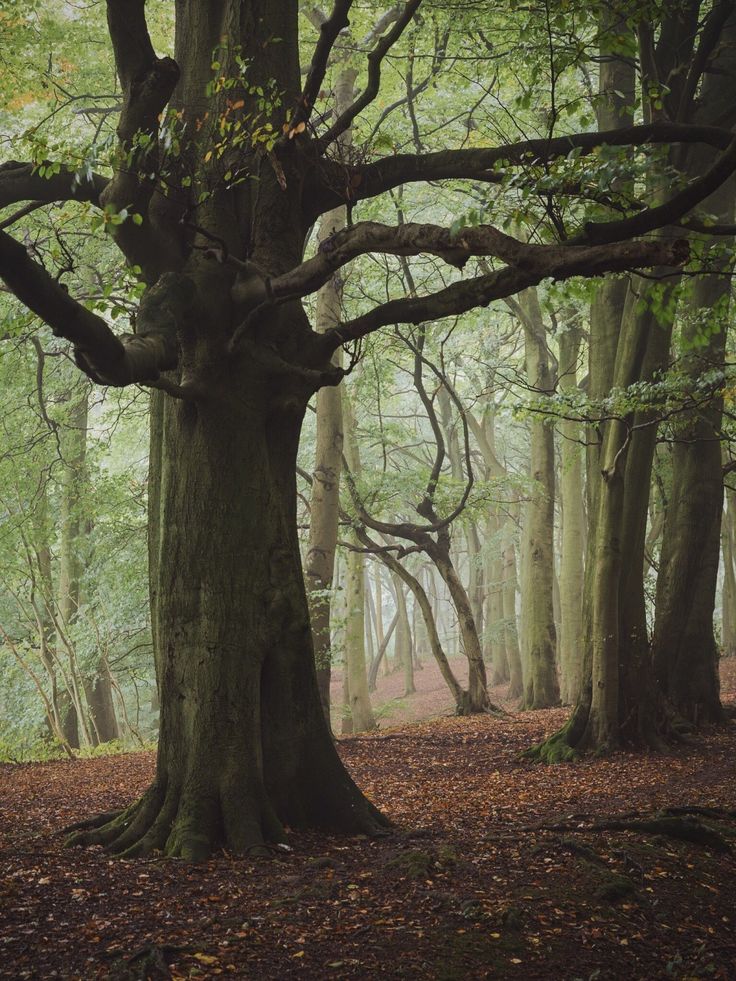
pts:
[461, 890]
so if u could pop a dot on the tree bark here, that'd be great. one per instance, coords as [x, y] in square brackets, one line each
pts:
[684, 649]
[541, 688]
[728, 544]
[573, 520]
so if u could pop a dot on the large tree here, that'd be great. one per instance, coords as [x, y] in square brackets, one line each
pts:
[222, 167]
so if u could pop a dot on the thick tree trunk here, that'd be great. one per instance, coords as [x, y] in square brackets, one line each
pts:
[244, 748]
[684, 649]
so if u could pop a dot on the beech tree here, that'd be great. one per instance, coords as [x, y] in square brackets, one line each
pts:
[227, 155]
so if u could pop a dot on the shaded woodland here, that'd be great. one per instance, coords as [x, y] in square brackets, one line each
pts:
[368, 451]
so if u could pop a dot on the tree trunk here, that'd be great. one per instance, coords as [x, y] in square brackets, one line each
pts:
[538, 659]
[462, 698]
[495, 631]
[71, 562]
[404, 652]
[573, 520]
[356, 667]
[511, 637]
[102, 705]
[244, 748]
[684, 649]
[728, 542]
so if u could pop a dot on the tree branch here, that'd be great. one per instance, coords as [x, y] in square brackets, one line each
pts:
[375, 59]
[334, 185]
[147, 83]
[22, 182]
[667, 213]
[106, 357]
[562, 262]
[413, 239]
[329, 31]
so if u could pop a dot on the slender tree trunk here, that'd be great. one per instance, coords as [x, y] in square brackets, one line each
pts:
[538, 659]
[511, 638]
[361, 711]
[325, 498]
[71, 562]
[573, 521]
[728, 544]
[499, 662]
[462, 698]
[404, 652]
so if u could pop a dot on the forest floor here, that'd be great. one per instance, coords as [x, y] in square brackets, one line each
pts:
[467, 886]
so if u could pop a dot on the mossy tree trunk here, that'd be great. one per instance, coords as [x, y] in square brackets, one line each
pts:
[541, 689]
[573, 529]
[684, 649]
[244, 749]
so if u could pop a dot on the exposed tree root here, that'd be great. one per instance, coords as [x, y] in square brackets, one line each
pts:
[191, 826]
[558, 748]
[680, 823]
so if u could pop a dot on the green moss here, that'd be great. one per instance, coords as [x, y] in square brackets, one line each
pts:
[556, 749]
[615, 887]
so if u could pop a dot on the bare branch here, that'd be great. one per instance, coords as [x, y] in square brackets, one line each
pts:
[375, 58]
[334, 185]
[23, 182]
[667, 213]
[414, 239]
[329, 30]
[561, 263]
[104, 356]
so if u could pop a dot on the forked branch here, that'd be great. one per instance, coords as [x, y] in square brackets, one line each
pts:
[375, 59]
[559, 263]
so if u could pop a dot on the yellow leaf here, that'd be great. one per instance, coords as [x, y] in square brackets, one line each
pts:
[205, 959]
[208, 156]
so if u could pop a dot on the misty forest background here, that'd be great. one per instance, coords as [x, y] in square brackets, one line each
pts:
[489, 419]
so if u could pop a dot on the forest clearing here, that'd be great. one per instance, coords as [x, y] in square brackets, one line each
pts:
[466, 886]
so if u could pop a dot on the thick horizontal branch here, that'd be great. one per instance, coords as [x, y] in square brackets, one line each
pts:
[557, 263]
[670, 211]
[106, 357]
[415, 239]
[334, 185]
[23, 182]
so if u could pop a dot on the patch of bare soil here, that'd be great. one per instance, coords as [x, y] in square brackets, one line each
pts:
[468, 886]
